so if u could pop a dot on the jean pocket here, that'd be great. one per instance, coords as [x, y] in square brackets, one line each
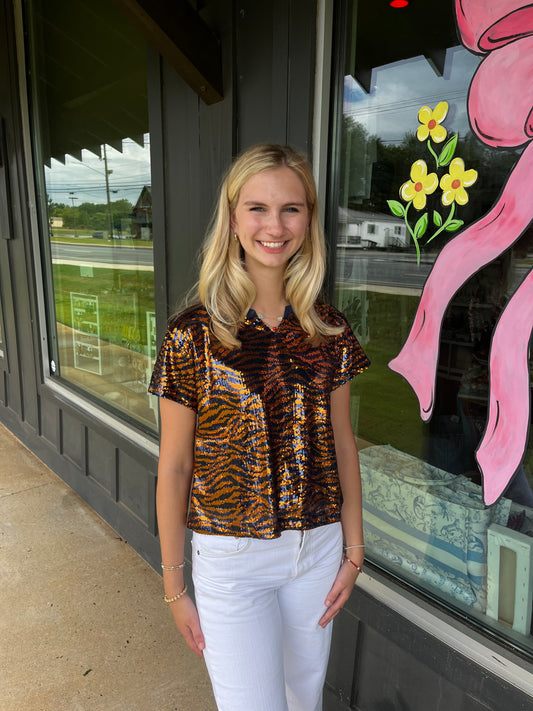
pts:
[216, 546]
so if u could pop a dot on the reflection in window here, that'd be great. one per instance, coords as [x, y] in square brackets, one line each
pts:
[93, 170]
[425, 520]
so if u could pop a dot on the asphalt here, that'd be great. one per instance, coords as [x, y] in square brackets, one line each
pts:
[83, 625]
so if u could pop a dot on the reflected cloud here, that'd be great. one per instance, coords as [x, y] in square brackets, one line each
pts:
[398, 90]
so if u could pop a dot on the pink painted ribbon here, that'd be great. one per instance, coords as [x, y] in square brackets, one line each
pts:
[488, 24]
[503, 444]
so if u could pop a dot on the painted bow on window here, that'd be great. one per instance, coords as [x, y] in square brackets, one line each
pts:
[500, 109]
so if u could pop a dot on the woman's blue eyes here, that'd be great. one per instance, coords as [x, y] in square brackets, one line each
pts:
[258, 208]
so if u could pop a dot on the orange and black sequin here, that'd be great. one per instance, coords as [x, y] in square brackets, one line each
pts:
[264, 450]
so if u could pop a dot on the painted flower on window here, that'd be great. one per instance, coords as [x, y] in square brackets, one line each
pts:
[453, 184]
[422, 183]
[430, 122]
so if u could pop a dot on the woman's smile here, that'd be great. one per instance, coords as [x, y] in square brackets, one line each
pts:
[273, 245]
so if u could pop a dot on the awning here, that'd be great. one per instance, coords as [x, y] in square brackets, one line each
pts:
[90, 62]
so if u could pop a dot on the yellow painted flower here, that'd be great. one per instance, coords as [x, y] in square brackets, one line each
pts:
[453, 184]
[420, 185]
[431, 122]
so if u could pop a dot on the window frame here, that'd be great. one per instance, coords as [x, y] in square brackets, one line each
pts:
[86, 404]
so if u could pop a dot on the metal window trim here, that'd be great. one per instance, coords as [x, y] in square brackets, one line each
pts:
[322, 91]
[18, 12]
[487, 654]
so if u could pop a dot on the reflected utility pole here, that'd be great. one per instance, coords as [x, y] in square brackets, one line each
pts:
[109, 211]
[72, 197]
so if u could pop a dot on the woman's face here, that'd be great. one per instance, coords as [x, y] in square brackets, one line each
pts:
[271, 218]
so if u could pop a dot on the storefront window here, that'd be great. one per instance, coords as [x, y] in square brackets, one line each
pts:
[92, 155]
[411, 177]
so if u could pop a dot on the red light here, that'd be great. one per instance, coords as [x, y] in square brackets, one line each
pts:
[399, 3]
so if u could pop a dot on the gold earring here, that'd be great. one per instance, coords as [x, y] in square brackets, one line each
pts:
[235, 237]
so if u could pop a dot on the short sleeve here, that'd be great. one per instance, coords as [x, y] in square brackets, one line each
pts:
[350, 357]
[174, 375]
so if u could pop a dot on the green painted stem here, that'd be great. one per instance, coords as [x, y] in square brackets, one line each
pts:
[443, 226]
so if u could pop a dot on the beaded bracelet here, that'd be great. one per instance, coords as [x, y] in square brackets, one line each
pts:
[357, 567]
[176, 597]
[173, 567]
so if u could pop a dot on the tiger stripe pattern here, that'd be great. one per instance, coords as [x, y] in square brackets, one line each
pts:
[264, 450]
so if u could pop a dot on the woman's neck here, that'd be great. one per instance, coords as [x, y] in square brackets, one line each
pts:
[270, 293]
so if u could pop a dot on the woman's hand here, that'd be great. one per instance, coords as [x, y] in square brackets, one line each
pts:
[188, 624]
[339, 593]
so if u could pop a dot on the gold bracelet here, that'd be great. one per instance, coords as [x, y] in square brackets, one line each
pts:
[176, 597]
[173, 567]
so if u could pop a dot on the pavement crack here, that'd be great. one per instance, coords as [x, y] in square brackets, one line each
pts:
[23, 491]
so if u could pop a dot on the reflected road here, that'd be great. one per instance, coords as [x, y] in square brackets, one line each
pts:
[394, 269]
[95, 254]
[354, 267]
[381, 268]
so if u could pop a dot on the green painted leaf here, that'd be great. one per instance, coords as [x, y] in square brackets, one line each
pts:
[454, 225]
[448, 150]
[437, 219]
[396, 208]
[421, 226]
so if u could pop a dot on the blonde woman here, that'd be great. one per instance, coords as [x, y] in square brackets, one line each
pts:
[257, 454]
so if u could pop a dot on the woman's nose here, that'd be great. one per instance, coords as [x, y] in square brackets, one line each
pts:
[275, 224]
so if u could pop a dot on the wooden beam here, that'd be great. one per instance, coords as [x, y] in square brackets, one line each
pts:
[180, 35]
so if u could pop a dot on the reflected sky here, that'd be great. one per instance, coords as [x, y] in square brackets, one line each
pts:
[398, 90]
[85, 180]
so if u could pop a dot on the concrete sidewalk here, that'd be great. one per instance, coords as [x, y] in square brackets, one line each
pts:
[83, 626]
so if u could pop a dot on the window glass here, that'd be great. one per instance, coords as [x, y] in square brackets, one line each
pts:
[92, 146]
[425, 520]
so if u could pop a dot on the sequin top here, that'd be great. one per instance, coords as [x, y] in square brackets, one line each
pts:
[264, 451]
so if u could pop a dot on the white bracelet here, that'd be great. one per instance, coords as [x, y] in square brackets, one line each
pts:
[359, 545]
[173, 567]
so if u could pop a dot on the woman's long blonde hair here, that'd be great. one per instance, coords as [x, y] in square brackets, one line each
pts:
[225, 288]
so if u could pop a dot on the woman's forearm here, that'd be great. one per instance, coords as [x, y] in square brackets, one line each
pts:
[174, 475]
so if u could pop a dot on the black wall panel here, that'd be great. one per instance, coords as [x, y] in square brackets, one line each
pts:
[50, 422]
[102, 462]
[136, 489]
[72, 439]
[390, 664]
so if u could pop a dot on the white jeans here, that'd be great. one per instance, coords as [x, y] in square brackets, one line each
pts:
[259, 603]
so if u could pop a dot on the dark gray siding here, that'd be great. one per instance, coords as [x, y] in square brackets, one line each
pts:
[380, 661]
